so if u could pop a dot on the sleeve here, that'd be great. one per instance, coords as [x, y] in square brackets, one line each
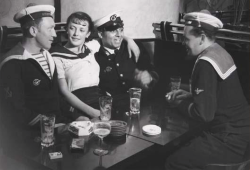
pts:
[12, 97]
[145, 63]
[204, 104]
[93, 45]
[59, 68]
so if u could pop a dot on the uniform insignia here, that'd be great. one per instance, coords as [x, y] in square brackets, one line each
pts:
[113, 17]
[36, 82]
[108, 69]
[107, 53]
[8, 93]
[198, 91]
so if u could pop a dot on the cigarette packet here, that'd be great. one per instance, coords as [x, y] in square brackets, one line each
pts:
[55, 155]
[77, 144]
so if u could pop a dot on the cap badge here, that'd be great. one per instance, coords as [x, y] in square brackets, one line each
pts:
[108, 69]
[113, 17]
[189, 22]
[36, 82]
[198, 91]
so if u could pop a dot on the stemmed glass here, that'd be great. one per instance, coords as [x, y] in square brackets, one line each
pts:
[101, 129]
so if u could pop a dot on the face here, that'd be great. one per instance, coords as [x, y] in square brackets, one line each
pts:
[77, 33]
[191, 42]
[112, 39]
[46, 33]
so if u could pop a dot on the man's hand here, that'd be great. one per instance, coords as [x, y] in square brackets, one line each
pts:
[132, 47]
[178, 95]
[174, 98]
[143, 77]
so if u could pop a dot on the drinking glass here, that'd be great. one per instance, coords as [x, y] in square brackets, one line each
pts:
[101, 129]
[105, 103]
[175, 82]
[135, 99]
[47, 130]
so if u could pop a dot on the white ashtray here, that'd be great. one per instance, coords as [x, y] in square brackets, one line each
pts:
[81, 128]
[151, 129]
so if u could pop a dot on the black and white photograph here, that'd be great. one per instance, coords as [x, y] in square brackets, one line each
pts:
[124, 85]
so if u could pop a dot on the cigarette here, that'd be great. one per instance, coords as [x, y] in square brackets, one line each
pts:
[108, 94]
[168, 96]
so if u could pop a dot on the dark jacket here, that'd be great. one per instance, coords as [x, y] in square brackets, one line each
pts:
[117, 71]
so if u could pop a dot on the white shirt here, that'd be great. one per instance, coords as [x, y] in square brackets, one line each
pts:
[80, 73]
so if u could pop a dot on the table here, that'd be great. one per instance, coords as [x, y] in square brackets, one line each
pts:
[175, 129]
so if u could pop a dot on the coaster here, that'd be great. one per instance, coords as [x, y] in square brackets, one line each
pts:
[151, 129]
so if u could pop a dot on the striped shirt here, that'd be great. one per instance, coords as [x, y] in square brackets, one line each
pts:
[43, 62]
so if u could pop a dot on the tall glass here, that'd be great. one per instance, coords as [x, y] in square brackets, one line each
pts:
[105, 103]
[175, 82]
[101, 129]
[47, 130]
[135, 100]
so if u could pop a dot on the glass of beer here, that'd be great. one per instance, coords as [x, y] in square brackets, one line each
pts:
[135, 100]
[175, 82]
[47, 123]
[105, 103]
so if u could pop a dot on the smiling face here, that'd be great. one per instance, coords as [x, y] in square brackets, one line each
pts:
[46, 33]
[192, 43]
[77, 33]
[112, 39]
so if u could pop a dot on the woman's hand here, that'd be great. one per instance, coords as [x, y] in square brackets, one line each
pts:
[95, 113]
[82, 118]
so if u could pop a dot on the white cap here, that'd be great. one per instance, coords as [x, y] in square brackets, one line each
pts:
[204, 20]
[34, 12]
[111, 21]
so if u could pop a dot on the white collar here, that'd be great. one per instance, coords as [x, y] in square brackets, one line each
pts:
[111, 51]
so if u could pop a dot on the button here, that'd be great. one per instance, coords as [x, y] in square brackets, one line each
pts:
[123, 83]
[117, 64]
[121, 75]
[109, 59]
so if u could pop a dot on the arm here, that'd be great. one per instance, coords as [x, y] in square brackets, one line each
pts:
[12, 97]
[204, 103]
[76, 102]
[145, 72]
[132, 47]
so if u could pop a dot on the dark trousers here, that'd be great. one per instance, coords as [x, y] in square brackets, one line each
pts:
[209, 149]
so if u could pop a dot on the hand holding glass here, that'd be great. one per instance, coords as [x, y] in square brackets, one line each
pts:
[101, 129]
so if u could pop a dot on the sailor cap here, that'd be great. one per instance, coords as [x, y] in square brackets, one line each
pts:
[109, 22]
[203, 20]
[32, 13]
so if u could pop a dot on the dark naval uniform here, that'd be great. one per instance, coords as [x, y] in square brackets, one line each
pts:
[117, 71]
[218, 99]
[26, 90]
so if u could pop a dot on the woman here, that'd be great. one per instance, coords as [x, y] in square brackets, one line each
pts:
[78, 71]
